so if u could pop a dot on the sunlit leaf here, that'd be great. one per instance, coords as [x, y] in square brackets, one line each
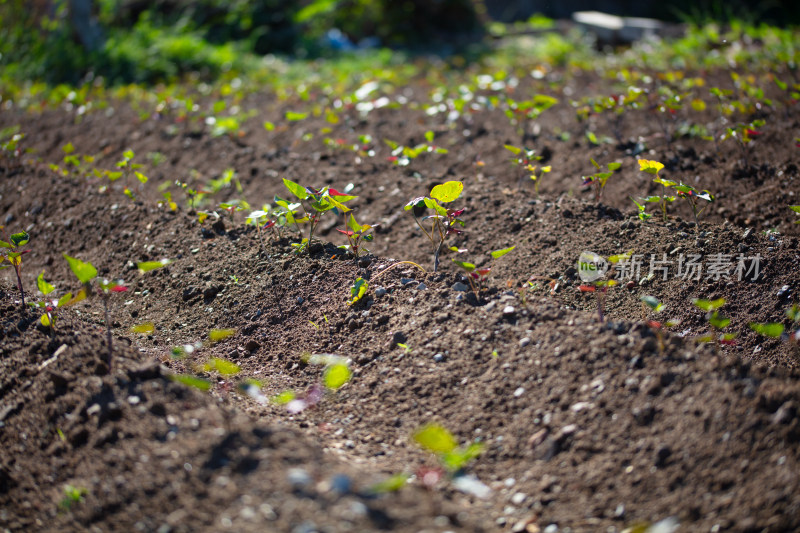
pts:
[651, 167]
[44, 287]
[773, 329]
[391, 484]
[226, 368]
[216, 335]
[459, 457]
[336, 375]
[143, 329]
[469, 267]
[435, 438]
[500, 253]
[448, 191]
[283, 398]
[296, 189]
[192, 381]
[147, 266]
[708, 305]
[293, 116]
[85, 272]
[20, 239]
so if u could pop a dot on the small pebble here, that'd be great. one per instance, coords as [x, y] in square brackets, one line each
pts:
[524, 341]
[509, 310]
[380, 291]
[421, 287]
[438, 358]
[459, 287]
[519, 392]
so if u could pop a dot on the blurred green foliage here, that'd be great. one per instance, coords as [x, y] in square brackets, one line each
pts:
[147, 42]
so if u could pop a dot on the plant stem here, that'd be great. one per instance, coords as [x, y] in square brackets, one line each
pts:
[19, 285]
[108, 330]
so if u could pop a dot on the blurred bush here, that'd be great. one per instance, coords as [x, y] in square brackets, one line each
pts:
[150, 41]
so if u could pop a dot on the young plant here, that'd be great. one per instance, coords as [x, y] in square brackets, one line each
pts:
[233, 207]
[655, 306]
[335, 375]
[693, 196]
[643, 215]
[14, 255]
[715, 320]
[48, 318]
[315, 203]
[87, 275]
[743, 134]
[443, 221]
[478, 276]
[439, 441]
[403, 155]
[356, 233]
[776, 330]
[358, 290]
[526, 158]
[594, 273]
[653, 168]
[796, 209]
[599, 179]
[128, 168]
[260, 219]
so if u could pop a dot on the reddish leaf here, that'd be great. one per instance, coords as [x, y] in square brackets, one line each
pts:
[119, 288]
[586, 288]
[348, 232]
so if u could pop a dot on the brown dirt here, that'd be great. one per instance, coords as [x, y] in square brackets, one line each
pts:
[589, 426]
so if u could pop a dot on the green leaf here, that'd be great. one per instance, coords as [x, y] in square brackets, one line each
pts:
[68, 148]
[433, 204]
[269, 126]
[795, 208]
[358, 290]
[459, 457]
[652, 302]
[391, 484]
[226, 368]
[216, 335]
[718, 321]
[296, 189]
[64, 299]
[283, 398]
[708, 305]
[500, 253]
[45, 320]
[651, 167]
[192, 381]
[614, 166]
[141, 177]
[469, 267]
[128, 155]
[794, 313]
[352, 224]
[147, 266]
[435, 438]
[293, 116]
[44, 287]
[513, 149]
[336, 375]
[143, 329]
[85, 272]
[20, 239]
[429, 136]
[774, 329]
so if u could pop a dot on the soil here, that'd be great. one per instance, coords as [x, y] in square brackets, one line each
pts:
[587, 425]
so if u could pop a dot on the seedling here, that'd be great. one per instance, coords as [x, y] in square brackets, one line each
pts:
[526, 159]
[595, 275]
[478, 276]
[87, 274]
[439, 441]
[656, 307]
[643, 215]
[335, 375]
[796, 209]
[358, 290]
[599, 179]
[776, 330]
[716, 321]
[693, 196]
[72, 496]
[654, 167]
[443, 221]
[356, 233]
[743, 134]
[402, 155]
[14, 255]
[128, 168]
[193, 195]
[48, 318]
[10, 151]
[233, 207]
[315, 203]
